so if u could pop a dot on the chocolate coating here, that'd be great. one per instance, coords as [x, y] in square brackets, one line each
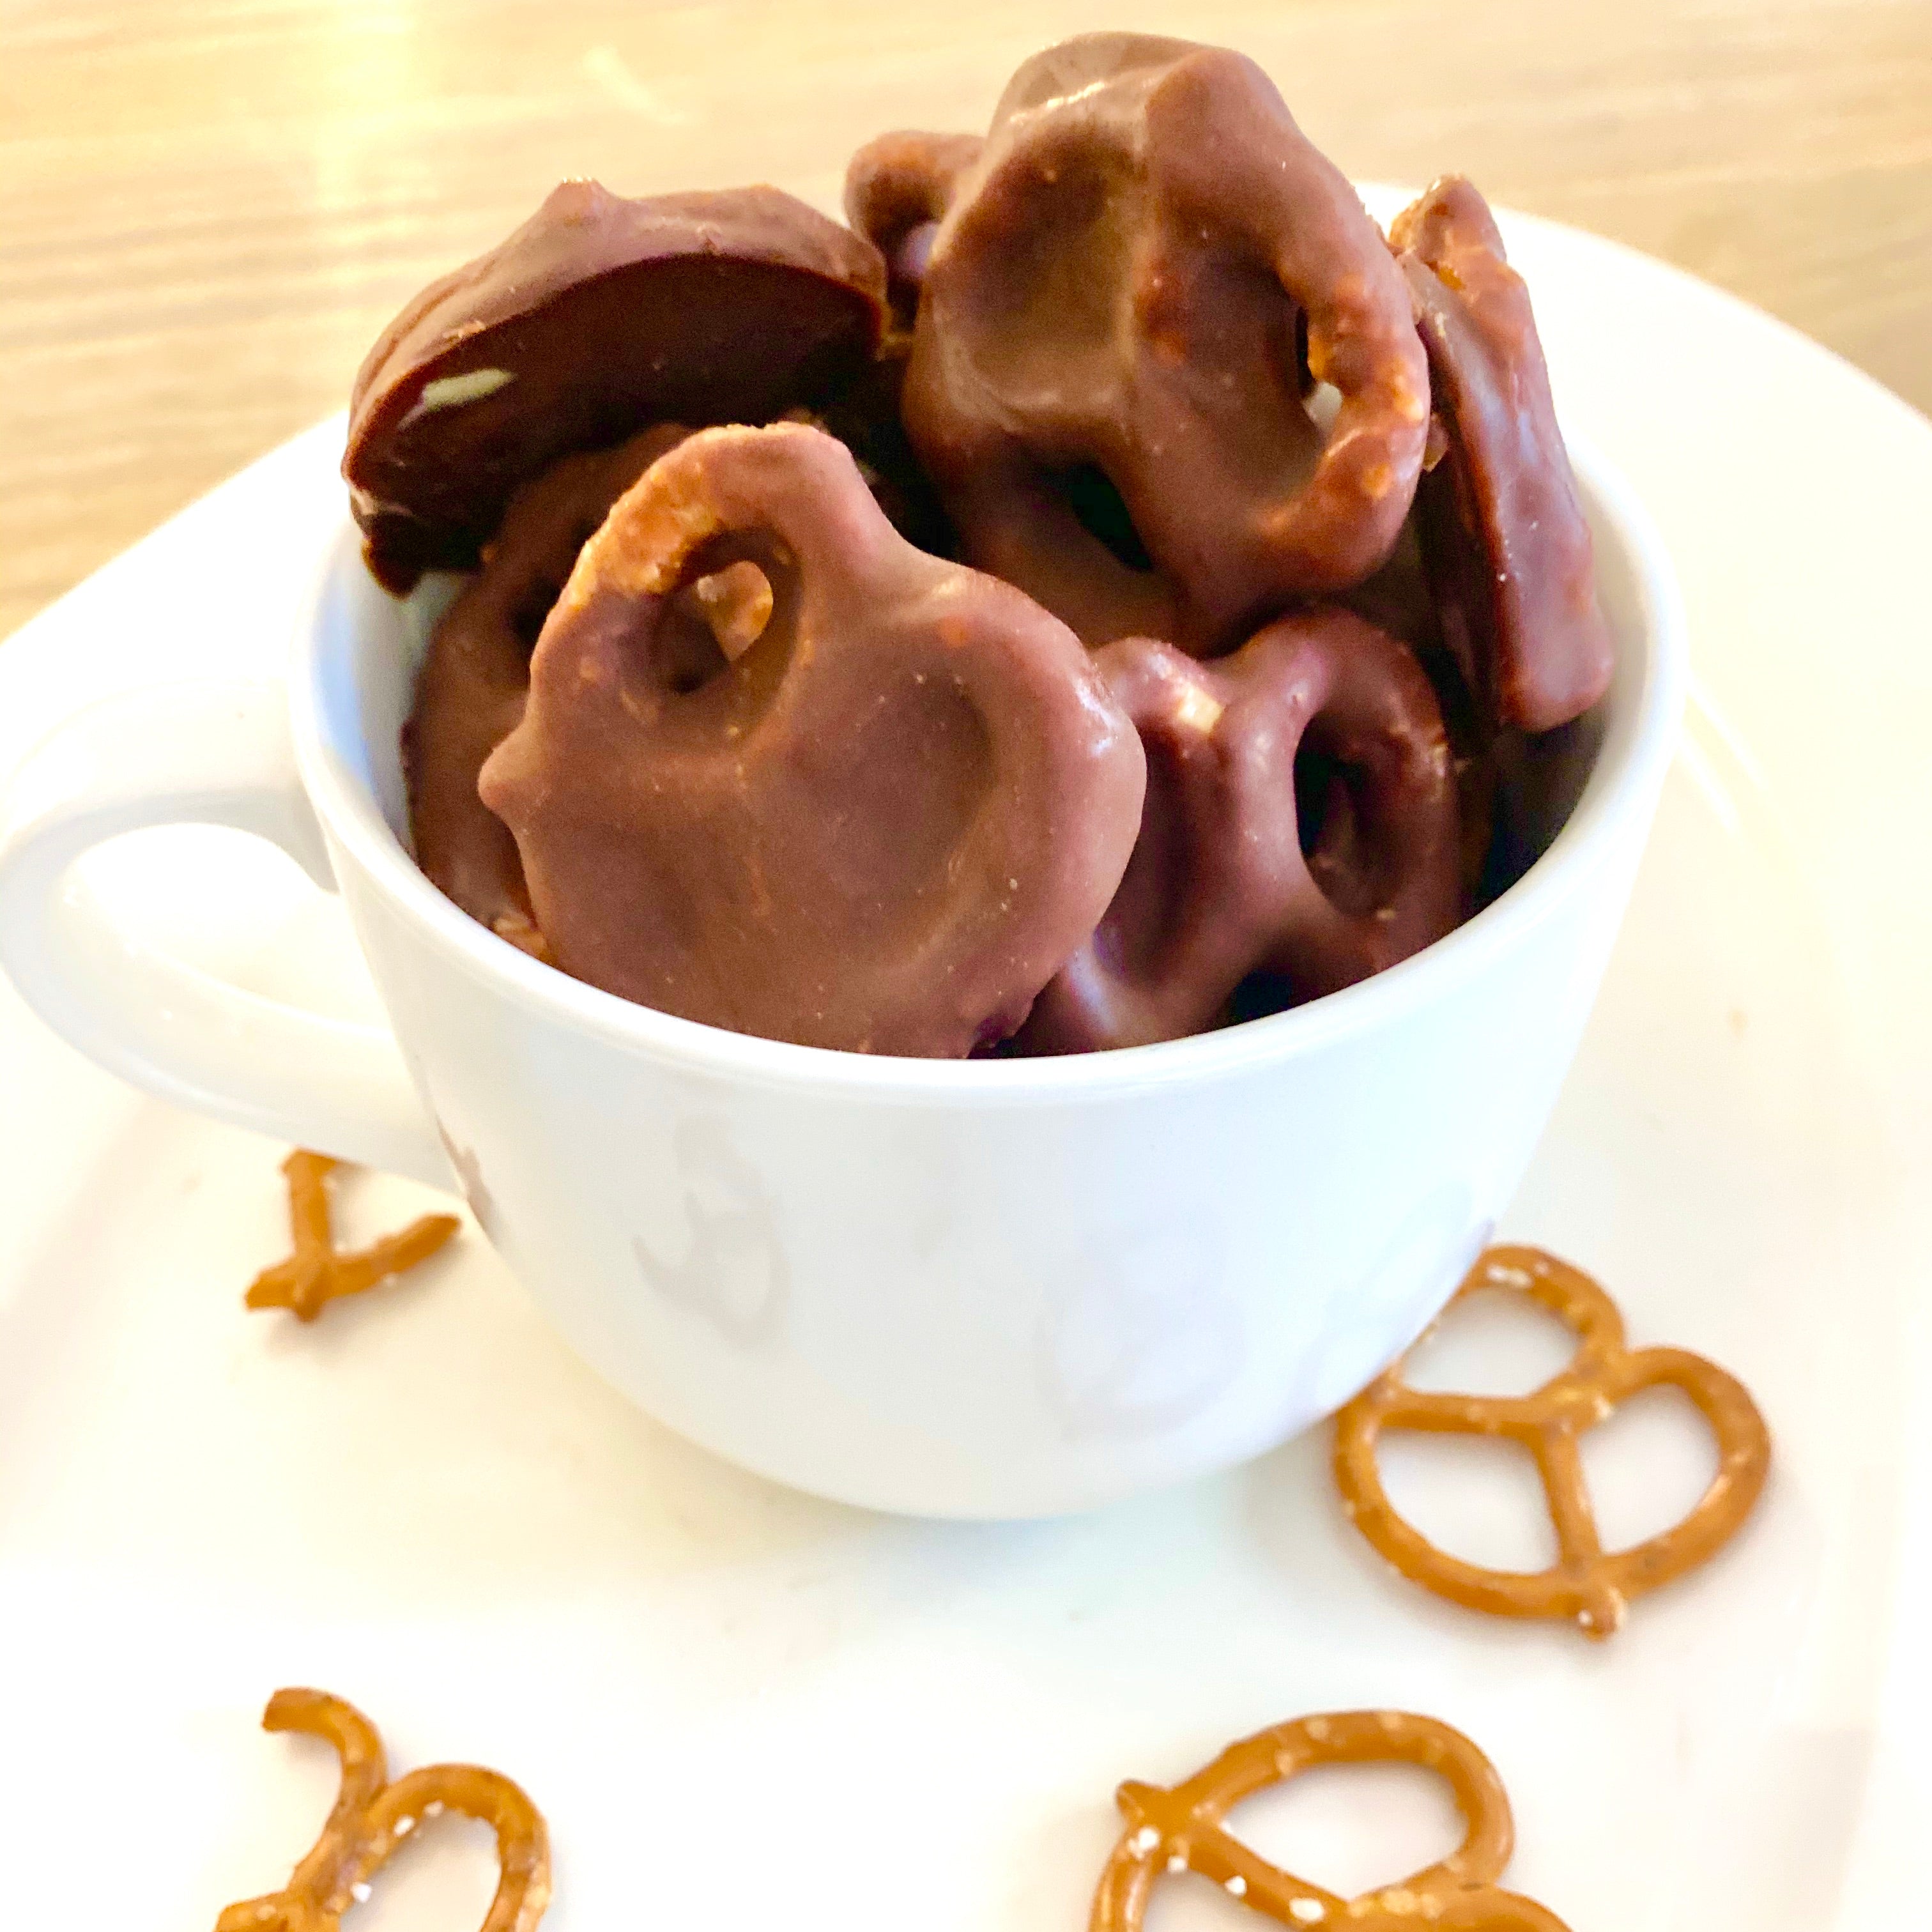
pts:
[1398, 598]
[865, 417]
[1300, 821]
[883, 826]
[598, 317]
[1111, 308]
[1503, 532]
[470, 690]
[897, 188]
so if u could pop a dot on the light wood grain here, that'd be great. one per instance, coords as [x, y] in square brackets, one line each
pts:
[210, 206]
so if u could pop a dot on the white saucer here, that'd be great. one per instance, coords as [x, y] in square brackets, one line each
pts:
[740, 1709]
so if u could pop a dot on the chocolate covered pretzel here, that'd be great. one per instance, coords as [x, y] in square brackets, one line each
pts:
[897, 188]
[1509, 552]
[1300, 821]
[470, 690]
[598, 317]
[882, 826]
[1397, 598]
[1106, 381]
[1150, 362]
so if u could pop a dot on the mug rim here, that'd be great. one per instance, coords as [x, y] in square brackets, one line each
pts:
[1637, 743]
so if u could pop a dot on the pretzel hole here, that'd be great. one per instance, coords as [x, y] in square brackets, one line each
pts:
[1334, 819]
[1478, 1497]
[907, 261]
[736, 603]
[1103, 513]
[1492, 1342]
[685, 653]
[441, 1878]
[1259, 996]
[539, 596]
[1302, 376]
[1647, 1466]
[1350, 1827]
[536, 605]
[736, 590]
[1295, 440]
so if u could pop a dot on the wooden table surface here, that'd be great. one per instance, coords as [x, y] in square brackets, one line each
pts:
[207, 208]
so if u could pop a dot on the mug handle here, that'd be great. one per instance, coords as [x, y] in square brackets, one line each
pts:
[212, 752]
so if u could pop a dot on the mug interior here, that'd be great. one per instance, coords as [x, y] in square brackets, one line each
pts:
[355, 667]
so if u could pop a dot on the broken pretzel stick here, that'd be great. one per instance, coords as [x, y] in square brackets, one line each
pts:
[317, 1274]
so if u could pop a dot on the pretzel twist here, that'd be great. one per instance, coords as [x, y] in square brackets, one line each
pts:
[1180, 1829]
[1587, 1584]
[371, 1817]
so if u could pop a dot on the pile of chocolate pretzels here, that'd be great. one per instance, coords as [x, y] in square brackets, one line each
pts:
[1086, 600]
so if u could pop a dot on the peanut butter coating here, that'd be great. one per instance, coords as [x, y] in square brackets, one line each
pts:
[1118, 286]
[1509, 555]
[882, 826]
[597, 317]
[1301, 821]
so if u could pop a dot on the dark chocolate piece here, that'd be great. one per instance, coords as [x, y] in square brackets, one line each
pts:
[881, 826]
[1503, 532]
[599, 316]
[1300, 823]
[1105, 368]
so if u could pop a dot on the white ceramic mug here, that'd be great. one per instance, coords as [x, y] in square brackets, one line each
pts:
[987, 1289]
